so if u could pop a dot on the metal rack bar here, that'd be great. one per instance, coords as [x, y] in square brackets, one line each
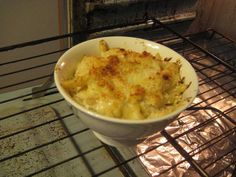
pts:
[222, 170]
[201, 58]
[194, 49]
[195, 45]
[77, 33]
[185, 154]
[27, 110]
[25, 95]
[172, 167]
[35, 126]
[223, 135]
[42, 145]
[217, 86]
[118, 158]
[90, 169]
[216, 76]
[43, 92]
[26, 69]
[225, 90]
[176, 39]
[33, 57]
[215, 110]
[36, 42]
[207, 67]
[198, 126]
[220, 157]
[128, 160]
[194, 105]
[23, 82]
[223, 36]
[201, 125]
[64, 161]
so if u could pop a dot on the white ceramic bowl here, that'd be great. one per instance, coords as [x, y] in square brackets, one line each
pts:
[115, 131]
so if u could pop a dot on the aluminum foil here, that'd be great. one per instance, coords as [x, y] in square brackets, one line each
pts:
[213, 139]
[165, 160]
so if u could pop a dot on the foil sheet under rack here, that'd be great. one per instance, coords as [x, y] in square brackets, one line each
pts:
[197, 143]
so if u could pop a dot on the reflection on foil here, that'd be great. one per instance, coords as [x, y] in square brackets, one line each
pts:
[212, 138]
[204, 134]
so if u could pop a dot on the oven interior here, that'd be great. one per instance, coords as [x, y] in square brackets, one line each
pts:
[40, 136]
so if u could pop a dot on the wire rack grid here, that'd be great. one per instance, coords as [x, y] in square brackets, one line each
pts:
[42, 137]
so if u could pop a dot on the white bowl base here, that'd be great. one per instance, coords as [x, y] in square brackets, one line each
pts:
[116, 143]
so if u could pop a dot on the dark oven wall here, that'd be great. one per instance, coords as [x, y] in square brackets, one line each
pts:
[116, 14]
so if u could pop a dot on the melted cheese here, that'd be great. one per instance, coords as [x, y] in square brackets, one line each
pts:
[126, 84]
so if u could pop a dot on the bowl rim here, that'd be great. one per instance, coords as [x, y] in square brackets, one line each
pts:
[98, 116]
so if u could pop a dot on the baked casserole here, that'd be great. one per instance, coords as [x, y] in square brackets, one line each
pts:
[126, 84]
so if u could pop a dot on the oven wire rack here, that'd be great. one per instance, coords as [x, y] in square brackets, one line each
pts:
[40, 136]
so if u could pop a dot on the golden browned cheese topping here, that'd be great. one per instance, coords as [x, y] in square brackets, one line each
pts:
[126, 84]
